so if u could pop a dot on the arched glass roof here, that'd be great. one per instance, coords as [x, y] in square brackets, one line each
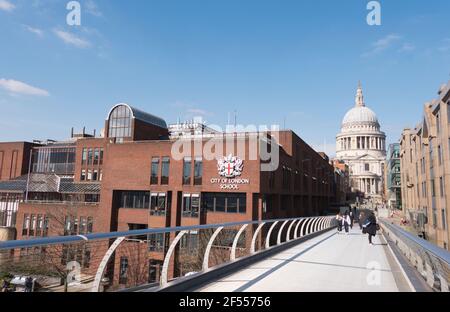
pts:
[142, 116]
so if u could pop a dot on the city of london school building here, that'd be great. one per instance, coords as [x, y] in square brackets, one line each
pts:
[127, 179]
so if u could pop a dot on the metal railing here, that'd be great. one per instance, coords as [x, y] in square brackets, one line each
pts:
[432, 262]
[124, 260]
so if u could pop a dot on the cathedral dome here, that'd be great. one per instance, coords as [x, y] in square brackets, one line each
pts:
[360, 114]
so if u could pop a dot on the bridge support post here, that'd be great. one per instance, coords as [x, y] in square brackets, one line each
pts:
[103, 263]
[255, 235]
[281, 231]
[269, 233]
[165, 268]
[235, 242]
[208, 248]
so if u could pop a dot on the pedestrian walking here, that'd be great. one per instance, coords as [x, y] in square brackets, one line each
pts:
[29, 284]
[339, 222]
[352, 219]
[370, 227]
[361, 219]
[346, 222]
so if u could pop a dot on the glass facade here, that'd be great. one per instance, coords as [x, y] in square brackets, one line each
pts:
[58, 160]
[119, 126]
[225, 202]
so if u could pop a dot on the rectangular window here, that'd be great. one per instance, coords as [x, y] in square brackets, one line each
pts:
[225, 202]
[26, 224]
[83, 225]
[84, 156]
[135, 199]
[441, 186]
[96, 156]
[95, 175]
[46, 226]
[165, 170]
[187, 166]
[90, 156]
[191, 205]
[158, 204]
[155, 170]
[39, 225]
[433, 189]
[440, 155]
[89, 175]
[83, 175]
[101, 156]
[156, 242]
[198, 171]
[90, 225]
[32, 225]
[190, 243]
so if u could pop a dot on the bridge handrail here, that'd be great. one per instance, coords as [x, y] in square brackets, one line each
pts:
[111, 235]
[431, 261]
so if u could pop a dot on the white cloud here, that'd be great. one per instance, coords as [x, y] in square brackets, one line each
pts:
[383, 44]
[72, 39]
[35, 31]
[6, 5]
[407, 47]
[18, 87]
[92, 8]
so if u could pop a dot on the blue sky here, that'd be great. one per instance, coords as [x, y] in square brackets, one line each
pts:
[298, 61]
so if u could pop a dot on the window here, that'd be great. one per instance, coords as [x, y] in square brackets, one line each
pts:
[441, 186]
[39, 225]
[155, 170]
[100, 176]
[96, 156]
[32, 225]
[26, 224]
[440, 155]
[83, 175]
[165, 170]
[191, 205]
[95, 175]
[46, 226]
[119, 125]
[225, 202]
[89, 175]
[431, 154]
[90, 156]
[187, 171]
[156, 242]
[83, 225]
[135, 199]
[438, 124]
[158, 204]
[123, 270]
[367, 167]
[84, 156]
[90, 225]
[198, 171]
[433, 189]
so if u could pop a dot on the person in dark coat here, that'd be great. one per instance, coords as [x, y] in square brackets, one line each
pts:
[371, 227]
[361, 219]
[29, 284]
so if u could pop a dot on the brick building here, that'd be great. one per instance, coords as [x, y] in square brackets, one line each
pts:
[425, 170]
[135, 177]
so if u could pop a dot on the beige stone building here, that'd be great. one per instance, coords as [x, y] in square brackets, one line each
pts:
[425, 170]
